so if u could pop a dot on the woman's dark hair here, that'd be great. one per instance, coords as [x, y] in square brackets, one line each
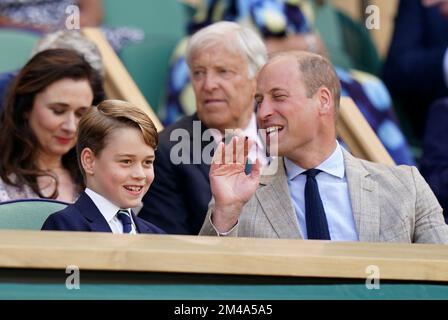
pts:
[18, 143]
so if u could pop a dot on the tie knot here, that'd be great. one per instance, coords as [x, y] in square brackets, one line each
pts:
[123, 216]
[312, 172]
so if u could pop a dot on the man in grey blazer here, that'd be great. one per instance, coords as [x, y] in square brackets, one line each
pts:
[353, 200]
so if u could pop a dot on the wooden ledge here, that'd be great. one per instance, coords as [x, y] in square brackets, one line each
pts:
[359, 136]
[212, 255]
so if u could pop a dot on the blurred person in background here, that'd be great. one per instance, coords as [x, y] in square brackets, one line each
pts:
[434, 161]
[416, 69]
[286, 25]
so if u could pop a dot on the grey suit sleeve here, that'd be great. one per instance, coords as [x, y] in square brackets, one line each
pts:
[207, 227]
[430, 225]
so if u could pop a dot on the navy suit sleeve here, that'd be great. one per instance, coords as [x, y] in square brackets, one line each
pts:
[434, 162]
[148, 227]
[164, 204]
[67, 219]
[50, 223]
[415, 58]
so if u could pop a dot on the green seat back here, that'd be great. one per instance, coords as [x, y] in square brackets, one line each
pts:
[330, 30]
[27, 214]
[163, 22]
[16, 48]
[359, 45]
[348, 42]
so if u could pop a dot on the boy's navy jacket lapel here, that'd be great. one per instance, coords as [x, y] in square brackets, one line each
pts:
[88, 210]
[139, 225]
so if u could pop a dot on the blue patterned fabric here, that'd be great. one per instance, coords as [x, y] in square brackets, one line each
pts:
[48, 13]
[52, 15]
[277, 18]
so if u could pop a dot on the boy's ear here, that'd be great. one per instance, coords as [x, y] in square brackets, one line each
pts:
[88, 161]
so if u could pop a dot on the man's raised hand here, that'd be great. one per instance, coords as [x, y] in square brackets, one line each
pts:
[230, 186]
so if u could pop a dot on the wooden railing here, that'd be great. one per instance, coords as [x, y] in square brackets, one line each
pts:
[213, 255]
[356, 132]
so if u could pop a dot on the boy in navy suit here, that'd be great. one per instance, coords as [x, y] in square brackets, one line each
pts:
[115, 147]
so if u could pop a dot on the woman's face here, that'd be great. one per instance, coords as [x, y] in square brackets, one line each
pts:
[55, 115]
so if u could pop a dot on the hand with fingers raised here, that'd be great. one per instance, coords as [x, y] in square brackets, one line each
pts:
[231, 187]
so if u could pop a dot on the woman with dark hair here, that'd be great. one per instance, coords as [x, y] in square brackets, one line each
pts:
[39, 123]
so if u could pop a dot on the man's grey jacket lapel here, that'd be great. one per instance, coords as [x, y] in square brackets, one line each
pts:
[273, 196]
[364, 199]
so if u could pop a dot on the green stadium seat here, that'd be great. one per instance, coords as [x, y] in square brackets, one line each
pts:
[148, 62]
[17, 45]
[27, 214]
[348, 42]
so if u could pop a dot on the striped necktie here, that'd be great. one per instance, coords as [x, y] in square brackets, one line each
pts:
[123, 216]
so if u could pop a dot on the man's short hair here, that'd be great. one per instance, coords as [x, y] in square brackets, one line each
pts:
[316, 71]
[238, 39]
[97, 124]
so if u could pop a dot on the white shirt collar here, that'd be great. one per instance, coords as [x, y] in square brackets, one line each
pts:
[107, 208]
[333, 165]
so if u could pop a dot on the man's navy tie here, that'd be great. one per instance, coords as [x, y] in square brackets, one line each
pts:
[316, 221]
[123, 216]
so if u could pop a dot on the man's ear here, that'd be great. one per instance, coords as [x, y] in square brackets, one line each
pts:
[88, 161]
[325, 100]
[254, 85]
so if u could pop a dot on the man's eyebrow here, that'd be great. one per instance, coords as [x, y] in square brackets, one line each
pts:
[276, 89]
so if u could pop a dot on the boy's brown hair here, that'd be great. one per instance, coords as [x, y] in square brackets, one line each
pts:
[99, 122]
